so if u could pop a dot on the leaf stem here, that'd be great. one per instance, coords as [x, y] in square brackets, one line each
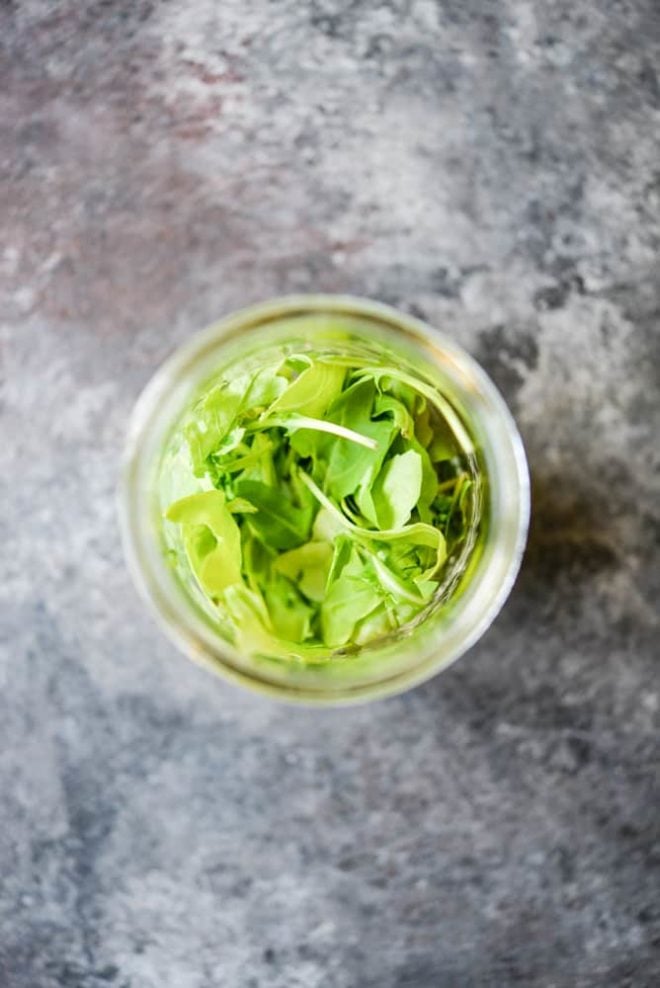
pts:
[295, 422]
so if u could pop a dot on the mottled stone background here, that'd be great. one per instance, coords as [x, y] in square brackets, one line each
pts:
[493, 167]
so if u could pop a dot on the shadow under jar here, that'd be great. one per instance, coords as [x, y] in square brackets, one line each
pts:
[369, 340]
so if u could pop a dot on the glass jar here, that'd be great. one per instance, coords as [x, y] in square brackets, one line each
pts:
[477, 581]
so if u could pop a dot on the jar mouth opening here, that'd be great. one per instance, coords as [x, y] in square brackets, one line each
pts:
[484, 574]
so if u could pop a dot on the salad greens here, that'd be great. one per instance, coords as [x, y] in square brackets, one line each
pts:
[334, 496]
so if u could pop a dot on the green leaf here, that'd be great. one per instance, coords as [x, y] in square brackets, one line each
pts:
[304, 442]
[265, 388]
[343, 550]
[249, 458]
[232, 441]
[376, 625]
[308, 566]
[441, 447]
[349, 600]
[396, 586]
[277, 522]
[257, 560]
[348, 464]
[262, 466]
[429, 486]
[404, 393]
[211, 537]
[416, 534]
[289, 615]
[397, 489]
[327, 527]
[240, 506]
[365, 501]
[295, 364]
[423, 428]
[387, 405]
[254, 634]
[409, 561]
[312, 392]
[199, 543]
[430, 393]
[426, 587]
[209, 422]
[251, 622]
[455, 516]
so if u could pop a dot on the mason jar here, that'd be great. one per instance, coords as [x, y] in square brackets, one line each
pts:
[475, 582]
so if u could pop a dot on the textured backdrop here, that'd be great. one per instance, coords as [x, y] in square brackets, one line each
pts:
[492, 167]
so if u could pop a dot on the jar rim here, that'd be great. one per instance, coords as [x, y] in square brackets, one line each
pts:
[495, 571]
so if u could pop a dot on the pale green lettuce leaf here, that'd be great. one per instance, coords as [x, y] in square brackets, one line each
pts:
[214, 554]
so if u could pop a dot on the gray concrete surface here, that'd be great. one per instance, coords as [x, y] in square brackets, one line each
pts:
[494, 167]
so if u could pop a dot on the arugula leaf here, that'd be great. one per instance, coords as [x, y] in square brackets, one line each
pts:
[265, 388]
[395, 585]
[436, 399]
[312, 392]
[409, 561]
[254, 634]
[308, 566]
[341, 558]
[348, 600]
[239, 505]
[276, 522]
[327, 526]
[257, 560]
[210, 421]
[429, 486]
[347, 464]
[376, 625]
[397, 489]
[250, 458]
[403, 392]
[365, 501]
[253, 628]
[441, 447]
[426, 587]
[295, 364]
[289, 615]
[418, 533]
[262, 464]
[455, 511]
[385, 404]
[233, 440]
[423, 428]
